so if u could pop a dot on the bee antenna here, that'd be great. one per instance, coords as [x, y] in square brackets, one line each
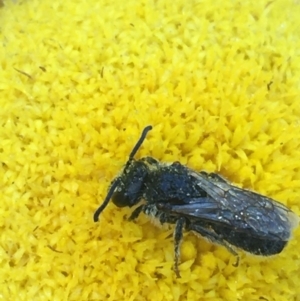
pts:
[106, 201]
[117, 181]
[140, 141]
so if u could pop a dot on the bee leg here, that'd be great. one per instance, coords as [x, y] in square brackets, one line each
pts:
[236, 264]
[178, 234]
[215, 238]
[148, 209]
[136, 212]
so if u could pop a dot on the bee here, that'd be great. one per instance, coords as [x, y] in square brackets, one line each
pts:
[201, 202]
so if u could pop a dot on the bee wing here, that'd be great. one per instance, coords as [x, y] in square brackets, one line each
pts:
[240, 209]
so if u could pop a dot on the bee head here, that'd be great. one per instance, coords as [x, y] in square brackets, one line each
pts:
[125, 190]
[129, 189]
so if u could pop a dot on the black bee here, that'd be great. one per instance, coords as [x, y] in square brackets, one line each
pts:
[204, 203]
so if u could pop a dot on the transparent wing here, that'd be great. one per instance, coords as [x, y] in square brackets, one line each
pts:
[242, 210]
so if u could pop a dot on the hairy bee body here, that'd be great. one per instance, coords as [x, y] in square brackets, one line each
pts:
[204, 203]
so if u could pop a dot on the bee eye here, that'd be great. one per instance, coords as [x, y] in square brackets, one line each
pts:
[121, 199]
